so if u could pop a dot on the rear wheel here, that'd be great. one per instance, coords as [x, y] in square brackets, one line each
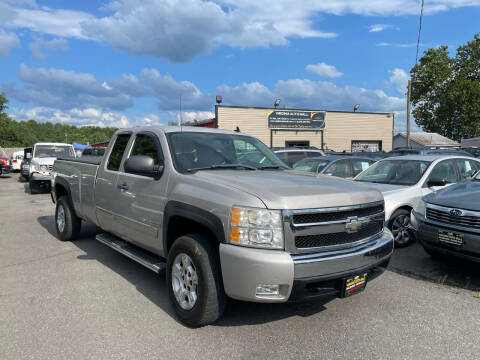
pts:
[67, 223]
[194, 282]
[400, 226]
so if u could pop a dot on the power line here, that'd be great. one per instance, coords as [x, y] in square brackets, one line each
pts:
[419, 31]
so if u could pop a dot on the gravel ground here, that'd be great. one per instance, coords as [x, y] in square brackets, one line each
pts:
[82, 300]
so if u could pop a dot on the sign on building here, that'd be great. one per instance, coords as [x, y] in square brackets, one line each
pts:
[292, 119]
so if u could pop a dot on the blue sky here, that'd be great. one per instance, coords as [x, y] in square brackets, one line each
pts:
[127, 62]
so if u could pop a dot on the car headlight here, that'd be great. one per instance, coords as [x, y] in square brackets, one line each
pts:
[33, 167]
[43, 168]
[260, 228]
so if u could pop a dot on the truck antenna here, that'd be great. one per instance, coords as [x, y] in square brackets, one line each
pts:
[180, 114]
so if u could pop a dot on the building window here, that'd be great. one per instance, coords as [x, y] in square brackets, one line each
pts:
[367, 145]
[297, 144]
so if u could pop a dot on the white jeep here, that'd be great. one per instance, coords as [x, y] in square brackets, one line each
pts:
[41, 165]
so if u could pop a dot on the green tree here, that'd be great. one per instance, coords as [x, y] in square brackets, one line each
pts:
[446, 91]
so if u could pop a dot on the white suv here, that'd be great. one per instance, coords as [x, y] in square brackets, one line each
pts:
[41, 165]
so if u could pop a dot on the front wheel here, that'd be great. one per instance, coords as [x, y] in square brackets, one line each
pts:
[193, 280]
[400, 226]
[67, 223]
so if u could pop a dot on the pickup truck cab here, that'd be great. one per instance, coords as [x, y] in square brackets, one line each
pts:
[199, 202]
[41, 164]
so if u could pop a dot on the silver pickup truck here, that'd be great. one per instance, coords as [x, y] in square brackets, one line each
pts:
[225, 217]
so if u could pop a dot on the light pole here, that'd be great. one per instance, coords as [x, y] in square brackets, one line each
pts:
[276, 103]
[356, 107]
[409, 90]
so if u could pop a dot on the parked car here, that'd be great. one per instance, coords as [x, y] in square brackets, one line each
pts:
[247, 230]
[5, 165]
[291, 155]
[25, 165]
[93, 152]
[409, 151]
[404, 180]
[16, 160]
[341, 166]
[41, 165]
[473, 151]
[448, 221]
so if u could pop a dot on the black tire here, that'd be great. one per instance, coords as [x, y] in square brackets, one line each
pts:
[211, 300]
[72, 223]
[33, 187]
[399, 223]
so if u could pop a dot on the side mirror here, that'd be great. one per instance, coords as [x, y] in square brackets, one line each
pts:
[143, 165]
[436, 182]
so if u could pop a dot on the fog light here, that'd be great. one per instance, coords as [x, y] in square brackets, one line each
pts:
[267, 290]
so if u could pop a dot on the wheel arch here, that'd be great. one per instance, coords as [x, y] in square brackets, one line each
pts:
[181, 219]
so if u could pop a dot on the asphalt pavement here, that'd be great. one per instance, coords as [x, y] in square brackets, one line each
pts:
[82, 300]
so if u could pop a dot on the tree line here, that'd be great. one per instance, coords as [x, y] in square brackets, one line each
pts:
[26, 133]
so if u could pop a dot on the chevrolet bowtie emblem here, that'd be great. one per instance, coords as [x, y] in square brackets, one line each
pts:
[353, 225]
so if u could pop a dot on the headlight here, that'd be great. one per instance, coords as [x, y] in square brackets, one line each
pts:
[43, 168]
[256, 227]
[33, 167]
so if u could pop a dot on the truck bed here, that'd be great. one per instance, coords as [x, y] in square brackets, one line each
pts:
[80, 174]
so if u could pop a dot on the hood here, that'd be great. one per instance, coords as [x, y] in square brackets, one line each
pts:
[464, 195]
[44, 161]
[386, 188]
[290, 190]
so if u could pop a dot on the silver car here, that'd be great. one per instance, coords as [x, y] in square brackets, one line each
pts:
[404, 180]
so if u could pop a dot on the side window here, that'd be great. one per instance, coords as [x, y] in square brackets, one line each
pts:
[444, 170]
[295, 156]
[340, 168]
[282, 156]
[313, 154]
[466, 168]
[145, 145]
[359, 165]
[117, 152]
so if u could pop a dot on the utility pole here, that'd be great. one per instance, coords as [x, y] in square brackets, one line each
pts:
[180, 114]
[409, 91]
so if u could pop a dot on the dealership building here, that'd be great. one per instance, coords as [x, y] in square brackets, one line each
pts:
[334, 130]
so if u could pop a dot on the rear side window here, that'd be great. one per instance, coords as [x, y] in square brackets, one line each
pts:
[116, 155]
[339, 168]
[145, 145]
[360, 165]
[466, 168]
[294, 156]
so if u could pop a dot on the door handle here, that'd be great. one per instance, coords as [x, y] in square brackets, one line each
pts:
[123, 186]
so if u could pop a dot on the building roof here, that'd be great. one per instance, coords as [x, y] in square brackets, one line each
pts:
[430, 139]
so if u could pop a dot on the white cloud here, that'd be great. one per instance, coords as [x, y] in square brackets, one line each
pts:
[400, 45]
[8, 41]
[190, 116]
[399, 79]
[39, 44]
[379, 27]
[179, 30]
[323, 69]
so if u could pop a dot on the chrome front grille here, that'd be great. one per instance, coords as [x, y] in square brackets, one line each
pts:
[465, 218]
[325, 229]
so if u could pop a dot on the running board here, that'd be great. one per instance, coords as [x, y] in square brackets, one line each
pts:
[144, 258]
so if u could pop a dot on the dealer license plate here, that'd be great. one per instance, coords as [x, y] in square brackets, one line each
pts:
[449, 237]
[354, 284]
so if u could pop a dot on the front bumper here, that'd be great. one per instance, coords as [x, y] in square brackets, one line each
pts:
[427, 234]
[300, 277]
[40, 176]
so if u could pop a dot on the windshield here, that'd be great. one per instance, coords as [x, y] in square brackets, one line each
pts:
[197, 150]
[395, 172]
[311, 165]
[42, 151]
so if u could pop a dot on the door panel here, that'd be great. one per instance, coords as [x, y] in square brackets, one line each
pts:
[105, 186]
[143, 198]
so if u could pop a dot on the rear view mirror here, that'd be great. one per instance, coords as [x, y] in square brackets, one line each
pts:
[436, 182]
[143, 165]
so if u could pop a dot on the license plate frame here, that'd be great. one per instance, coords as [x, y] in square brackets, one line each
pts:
[450, 238]
[354, 284]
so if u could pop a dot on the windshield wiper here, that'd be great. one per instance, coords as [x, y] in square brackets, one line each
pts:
[223, 166]
[267, 167]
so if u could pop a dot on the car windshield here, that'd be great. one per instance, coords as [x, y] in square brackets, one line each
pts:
[395, 172]
[310, 165]
[202, 150]
[42, 151]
